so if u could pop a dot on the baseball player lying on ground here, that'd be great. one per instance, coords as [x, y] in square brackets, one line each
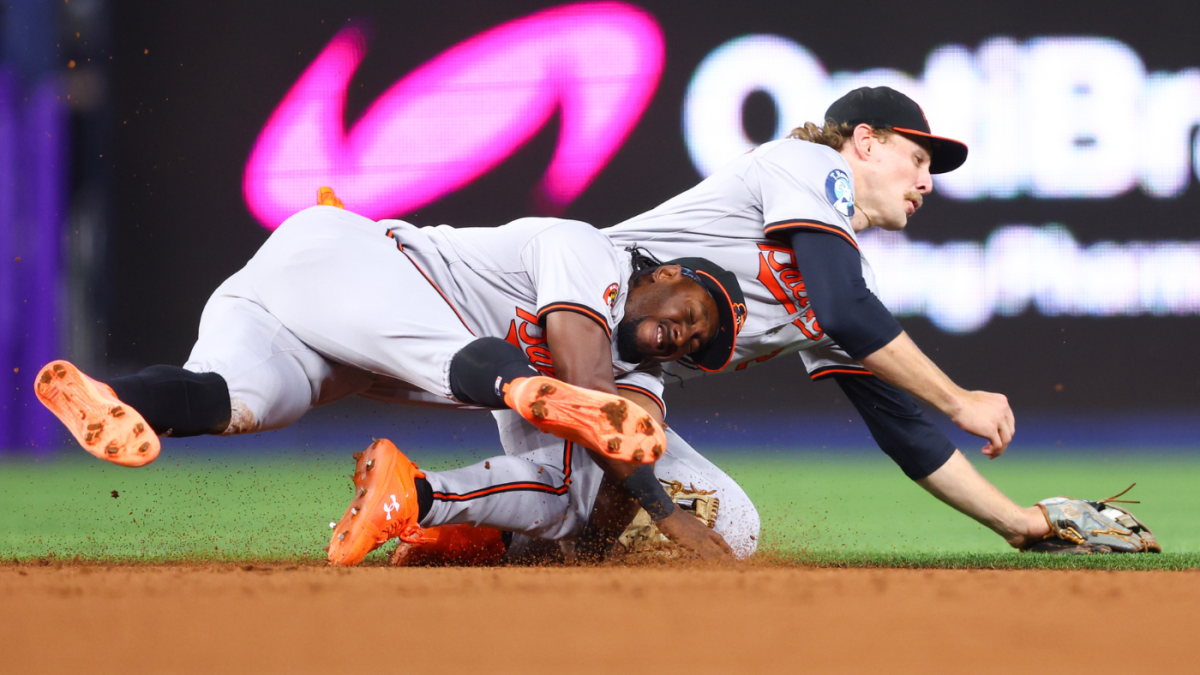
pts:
[335, 304]
[785, 218]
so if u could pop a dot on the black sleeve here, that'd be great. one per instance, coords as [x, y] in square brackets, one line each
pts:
[900, 427]
[846, 309]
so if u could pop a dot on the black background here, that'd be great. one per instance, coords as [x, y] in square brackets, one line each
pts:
[194, 82]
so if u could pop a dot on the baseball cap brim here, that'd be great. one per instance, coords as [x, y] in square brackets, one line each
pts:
[726, 292]
[719, 352]
[945, 154]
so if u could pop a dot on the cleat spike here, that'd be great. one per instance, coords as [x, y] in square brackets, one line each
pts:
[113, 447]
[143, 447]
[117, 411]
[538, 410]
[139, 428]
[95, 425]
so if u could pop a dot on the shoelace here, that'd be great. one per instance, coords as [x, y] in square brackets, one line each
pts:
[1113, 499]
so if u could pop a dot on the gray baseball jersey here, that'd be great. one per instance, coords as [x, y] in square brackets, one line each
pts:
[335, 304]
[737, 218]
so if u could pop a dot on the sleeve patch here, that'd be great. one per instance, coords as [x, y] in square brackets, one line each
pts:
[610, 295]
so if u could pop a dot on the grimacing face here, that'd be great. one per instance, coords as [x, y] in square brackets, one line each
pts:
[667, 317]
[892, 178]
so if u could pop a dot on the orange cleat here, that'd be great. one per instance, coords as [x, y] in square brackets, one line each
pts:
[325, 197]
[384, 505]
[608, 424]
[103, 425]
[452, 545]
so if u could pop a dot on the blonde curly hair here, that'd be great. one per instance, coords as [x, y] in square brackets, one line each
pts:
[834, 134]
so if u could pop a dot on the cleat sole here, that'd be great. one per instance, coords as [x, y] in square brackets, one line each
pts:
[594, 419]
[102, 424]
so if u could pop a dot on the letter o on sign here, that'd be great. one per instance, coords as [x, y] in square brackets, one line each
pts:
[712, 108]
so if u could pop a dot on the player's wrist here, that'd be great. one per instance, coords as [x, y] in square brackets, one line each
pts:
[951, 400]
[649, 493]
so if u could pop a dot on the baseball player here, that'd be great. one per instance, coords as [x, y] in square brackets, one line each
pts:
[335, 304]
[785, 219]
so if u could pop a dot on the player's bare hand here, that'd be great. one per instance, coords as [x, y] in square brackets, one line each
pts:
[687, 531]
[988, 416]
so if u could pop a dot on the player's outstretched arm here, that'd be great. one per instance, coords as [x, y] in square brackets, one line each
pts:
[959, 485]
[987, 415]
[927, 456]
[860, 324]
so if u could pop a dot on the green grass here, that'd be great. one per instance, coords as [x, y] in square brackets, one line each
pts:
[816, 509]
[832, 505]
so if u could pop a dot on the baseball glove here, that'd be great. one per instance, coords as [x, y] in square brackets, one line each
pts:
[1081, 527]
[642, 538]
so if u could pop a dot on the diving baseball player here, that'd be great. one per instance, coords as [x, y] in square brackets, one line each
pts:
[785, 219]
[335, 304]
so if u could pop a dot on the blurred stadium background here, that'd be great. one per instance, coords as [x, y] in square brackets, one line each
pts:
[147, 148]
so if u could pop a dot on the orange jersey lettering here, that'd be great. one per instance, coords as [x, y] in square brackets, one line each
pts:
[534, 345]
[783, 280]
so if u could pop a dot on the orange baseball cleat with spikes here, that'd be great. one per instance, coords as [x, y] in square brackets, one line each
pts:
[609, 424]
[453, 545]
[103, 425]
[384, 504]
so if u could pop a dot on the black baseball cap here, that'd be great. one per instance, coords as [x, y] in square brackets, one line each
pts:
[886, 108]
[724, 288]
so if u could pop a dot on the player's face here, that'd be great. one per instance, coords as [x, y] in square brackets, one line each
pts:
[667, 317]
[892, 181]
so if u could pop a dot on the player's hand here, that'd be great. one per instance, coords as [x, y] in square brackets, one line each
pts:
[988, 416]
[687, 531]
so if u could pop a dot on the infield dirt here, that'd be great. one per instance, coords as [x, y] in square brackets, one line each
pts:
[649, 619]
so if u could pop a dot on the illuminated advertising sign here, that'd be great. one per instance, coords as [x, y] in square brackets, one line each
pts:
[1070, 227]
[461, 114]
[1050, 117]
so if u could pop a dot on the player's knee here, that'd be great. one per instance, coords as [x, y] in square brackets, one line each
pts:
[479, 371]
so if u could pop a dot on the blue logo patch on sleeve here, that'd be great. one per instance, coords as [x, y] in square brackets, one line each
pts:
[839, 192]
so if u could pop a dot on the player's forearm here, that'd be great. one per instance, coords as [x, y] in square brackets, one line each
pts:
[959, 485]
[582, 351]
[903, 364]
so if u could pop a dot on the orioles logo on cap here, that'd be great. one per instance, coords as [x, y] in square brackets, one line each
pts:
[739, 315]
[610, 295]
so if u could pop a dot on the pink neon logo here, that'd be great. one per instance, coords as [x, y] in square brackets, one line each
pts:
[459, 115]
